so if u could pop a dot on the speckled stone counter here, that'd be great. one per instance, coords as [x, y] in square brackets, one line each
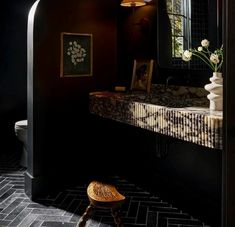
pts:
[180, 112]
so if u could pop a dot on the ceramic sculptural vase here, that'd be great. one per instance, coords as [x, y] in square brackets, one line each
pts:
[216, 91]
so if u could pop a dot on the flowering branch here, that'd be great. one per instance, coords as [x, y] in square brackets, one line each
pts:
[213, 60]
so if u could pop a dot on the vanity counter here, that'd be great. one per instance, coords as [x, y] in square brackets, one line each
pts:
[181, 113]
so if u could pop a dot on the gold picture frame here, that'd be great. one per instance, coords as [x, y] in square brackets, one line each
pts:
[76, 55]
[142, 75]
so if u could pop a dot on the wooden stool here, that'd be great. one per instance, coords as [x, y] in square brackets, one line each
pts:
[103, 195]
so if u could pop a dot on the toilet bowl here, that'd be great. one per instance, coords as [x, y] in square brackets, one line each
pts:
[21, 133]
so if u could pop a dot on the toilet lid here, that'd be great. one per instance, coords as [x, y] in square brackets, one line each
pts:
[22, 124]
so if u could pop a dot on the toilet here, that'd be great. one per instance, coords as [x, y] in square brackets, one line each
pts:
[21, 133]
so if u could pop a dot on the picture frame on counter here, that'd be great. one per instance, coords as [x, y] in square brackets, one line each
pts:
[142, 75]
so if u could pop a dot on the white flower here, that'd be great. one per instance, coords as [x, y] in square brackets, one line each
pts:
[185, 58]
[214, 58]
[187, 54]
[200, 49]
[205, 43]
[76, 52]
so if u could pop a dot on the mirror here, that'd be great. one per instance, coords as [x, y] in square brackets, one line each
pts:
[183, 24]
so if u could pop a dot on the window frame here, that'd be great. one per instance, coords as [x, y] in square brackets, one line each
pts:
[185, 16]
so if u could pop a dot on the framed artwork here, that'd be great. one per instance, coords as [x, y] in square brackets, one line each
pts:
[76, 55]
[142, 75]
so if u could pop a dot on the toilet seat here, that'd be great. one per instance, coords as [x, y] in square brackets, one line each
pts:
[22, 124]
[21, 132]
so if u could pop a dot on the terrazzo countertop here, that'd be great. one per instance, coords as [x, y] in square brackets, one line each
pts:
[180, 112]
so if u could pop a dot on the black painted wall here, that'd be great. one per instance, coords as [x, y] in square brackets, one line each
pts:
[137, 38]
[229, 117]
[144, 33]
[59, 122]
[13, 73]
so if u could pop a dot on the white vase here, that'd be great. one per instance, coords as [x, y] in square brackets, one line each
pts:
[216, 91]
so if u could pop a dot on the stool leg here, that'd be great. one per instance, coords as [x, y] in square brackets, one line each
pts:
[117, 217]
[86, 215]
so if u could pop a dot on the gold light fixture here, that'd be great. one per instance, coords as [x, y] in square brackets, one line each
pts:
[133, 3]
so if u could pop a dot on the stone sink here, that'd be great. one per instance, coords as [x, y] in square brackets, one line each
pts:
[172, 96]
[180, 112]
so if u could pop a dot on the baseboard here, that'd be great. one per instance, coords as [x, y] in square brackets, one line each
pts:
[44, 185]
[35, 186]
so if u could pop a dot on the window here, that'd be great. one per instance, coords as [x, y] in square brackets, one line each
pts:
[179, 12]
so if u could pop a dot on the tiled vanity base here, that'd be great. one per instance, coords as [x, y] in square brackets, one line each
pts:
[191, 120]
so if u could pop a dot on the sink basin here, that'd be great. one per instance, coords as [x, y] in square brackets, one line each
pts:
[168, 100]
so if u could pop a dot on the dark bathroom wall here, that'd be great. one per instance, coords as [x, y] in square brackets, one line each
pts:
[13, 73]
[137, 38]
[143, 32]
[229, 117]
[62, 132]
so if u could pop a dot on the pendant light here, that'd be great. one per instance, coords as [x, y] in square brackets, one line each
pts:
[133, 3]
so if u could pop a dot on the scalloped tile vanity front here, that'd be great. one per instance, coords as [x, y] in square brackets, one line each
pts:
[180, 112]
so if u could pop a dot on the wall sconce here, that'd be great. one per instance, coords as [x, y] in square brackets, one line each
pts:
[144, 23]
[133, 3]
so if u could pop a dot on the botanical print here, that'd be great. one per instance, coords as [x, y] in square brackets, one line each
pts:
[76, 55]
[76, 52]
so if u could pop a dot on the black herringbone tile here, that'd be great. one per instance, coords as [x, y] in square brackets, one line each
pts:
[64, 209]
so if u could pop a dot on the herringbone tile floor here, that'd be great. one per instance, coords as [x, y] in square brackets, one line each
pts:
[64, 209]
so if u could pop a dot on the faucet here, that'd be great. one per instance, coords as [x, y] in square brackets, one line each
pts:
[167, 81]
